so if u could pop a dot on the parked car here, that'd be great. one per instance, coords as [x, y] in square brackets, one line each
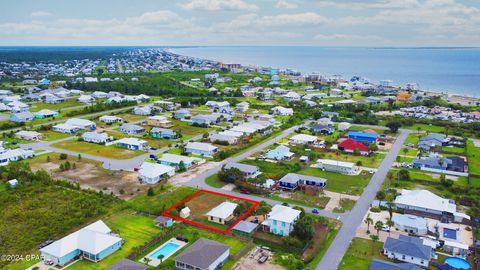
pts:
[153, 157]
[244, 191]
[385, 228]
[315, 211]
[153, 148]
[406, 165]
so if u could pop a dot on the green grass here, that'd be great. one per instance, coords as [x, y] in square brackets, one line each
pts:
[272, 170]
[360, 254]
[69, 102]
[429, 128]
[53, 136]
[97, 149]
[341, 183]
[303, 199]
[132, 117]
[346, 205]
[473, 155]
[164, 197]
[214, 181]
[413, 138]
[188, 130]
[372, 161]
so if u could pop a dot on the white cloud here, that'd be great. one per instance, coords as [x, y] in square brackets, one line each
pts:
[215, 5]
[285, 4]
[254, 21]
[40, 14]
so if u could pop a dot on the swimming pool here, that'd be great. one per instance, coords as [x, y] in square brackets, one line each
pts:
[457, 263]
[164, 250]
[450, 233]
[168, 248]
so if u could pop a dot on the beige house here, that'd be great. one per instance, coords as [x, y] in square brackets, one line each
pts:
[159, 121]
[222, 212]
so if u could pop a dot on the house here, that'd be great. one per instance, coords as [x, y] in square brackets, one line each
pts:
[433, 161]
[202, 149]
[245, 228]
[126, 264]
[377, 264]
[45, 113]
[222, 138]
[404, 96]
[166, 105]
[282, 111]
[152, 173]
[362, 136]
[22, 117]
[95, 137]
[410, 224]
[99, 94]
[163, 221]
[331, 165]
[374, 100]
[323, 129]
[203, 254]
[325, 121]
[281, 219]
[28, 135]
[291, 96]
[86, 99]
[217, 104]
[132, 144]
[159, 121]
[456, 164]
[15, 155]
[185, 212]
[202, 119]
[182, 114]
[12, 183]
[351, 145]
[145, 110]
[456, 248]
[242, 106]
[110, 119]
[408, 249]
[222, 213]
[175, 160]
[131, 129]
[431, 141]
[292, 181]
[280, 152]
[82, 123]
[93, 242]
[163, 133]
[65, 128]
[427, 203]
[52, 99]
[343, 126]
[248, 171]
[303, 139]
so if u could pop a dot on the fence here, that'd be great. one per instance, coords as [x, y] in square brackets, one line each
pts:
[156, 240]
[242, 252]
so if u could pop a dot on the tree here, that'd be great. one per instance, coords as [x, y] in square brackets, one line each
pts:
[404, 174]
[374, 241]
[79, 157]
[393, 126]
[160, 257]
[373, 147]
[378, 226]
[405, 151]
[231, 175]
[150, 192]
[390, 224]
[368, 220]
[390, 205]
[181, 166]
[63, 156]
[381, 195]
[390, 177]
[303, 228]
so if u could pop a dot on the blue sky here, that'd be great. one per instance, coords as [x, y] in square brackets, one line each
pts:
[241, 22]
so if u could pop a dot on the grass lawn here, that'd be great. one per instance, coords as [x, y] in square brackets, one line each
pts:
[413, 138]
[98, 150]
[339, 182]
[372, 161]
[164, 197]
[429, 128]
[132, 117]
[272, 170]
[360, 254]
[345, 206]
[188, 130]
[473, 155]
[69, 102]
[53, 136]
[136, 230]
[301, 198]
[214, 181]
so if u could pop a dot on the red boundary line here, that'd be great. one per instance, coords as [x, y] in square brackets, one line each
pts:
[255, 205]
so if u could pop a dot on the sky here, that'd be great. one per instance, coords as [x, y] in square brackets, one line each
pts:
[393, 23]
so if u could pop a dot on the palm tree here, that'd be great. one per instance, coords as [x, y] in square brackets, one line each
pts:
[378, 226]
[405, 151]
[390, 224]
[368, 220]
[418, 130]
[390, 177]
[374, 241]
[390, 205]
[160, 257]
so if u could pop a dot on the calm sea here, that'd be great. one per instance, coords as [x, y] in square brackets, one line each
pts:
[452, 70]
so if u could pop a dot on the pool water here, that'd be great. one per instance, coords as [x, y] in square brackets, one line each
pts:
[449, 233]
[457, 263]
[165, 250]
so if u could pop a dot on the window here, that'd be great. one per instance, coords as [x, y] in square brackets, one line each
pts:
[283, 224]
[274, 222]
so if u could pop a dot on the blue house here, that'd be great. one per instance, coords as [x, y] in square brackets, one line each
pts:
[292, 181]
[281, 152]
[362, 136]
[175, 160]
[202, 149]
[202, 120]
[163, 133]
[163, 221]
[22, 117]
[44, 81]
[94, 242]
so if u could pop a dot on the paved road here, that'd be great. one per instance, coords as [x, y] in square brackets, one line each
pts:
[332, 258]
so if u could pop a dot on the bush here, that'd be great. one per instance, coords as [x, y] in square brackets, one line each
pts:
[63, 156]
[375, 209]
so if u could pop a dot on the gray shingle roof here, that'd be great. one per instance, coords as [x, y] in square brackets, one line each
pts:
[410, 246]
[126, 264]
[384, 265]
[245, 226]
[202, 253]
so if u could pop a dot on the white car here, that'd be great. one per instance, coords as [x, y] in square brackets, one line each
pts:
[385, 228]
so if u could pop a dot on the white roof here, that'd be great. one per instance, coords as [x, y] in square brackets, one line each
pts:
[65, 126]
[200, 146]
[16, 153]
[131, 141]
[109, 117]
[151, 170]
[456, 245]
[304, 137]
[27, 133]
[336, 163]
[158, 117]
[283, 213]
[93, 239]
[177, 158]
[45, 112]
[231, 133]
[426, 199]
[244, 129]
[223, 210]
[79, 122]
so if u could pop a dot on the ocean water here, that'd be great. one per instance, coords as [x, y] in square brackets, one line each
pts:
[448, 70]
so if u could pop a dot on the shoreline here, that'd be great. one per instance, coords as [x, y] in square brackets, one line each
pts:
[463, 98]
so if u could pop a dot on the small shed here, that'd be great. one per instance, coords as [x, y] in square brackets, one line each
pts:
[13, 183]
[185, 212]
[245, 228]
[163, 221]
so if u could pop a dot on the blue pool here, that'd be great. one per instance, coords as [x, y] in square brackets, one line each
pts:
[166, 250]
[457, 263]
[449, 233]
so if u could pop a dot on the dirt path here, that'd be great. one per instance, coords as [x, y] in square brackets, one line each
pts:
[187, 176]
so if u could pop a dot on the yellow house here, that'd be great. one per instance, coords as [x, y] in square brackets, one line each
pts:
[159, 121]
[222, 212]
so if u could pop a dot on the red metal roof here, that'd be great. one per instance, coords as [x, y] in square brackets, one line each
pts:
[352, 144]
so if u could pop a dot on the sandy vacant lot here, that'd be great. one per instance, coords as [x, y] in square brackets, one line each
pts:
[249, 261]
[91, 174]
